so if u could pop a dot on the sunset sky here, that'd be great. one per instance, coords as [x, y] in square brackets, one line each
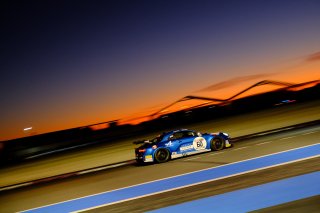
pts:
[66, 64]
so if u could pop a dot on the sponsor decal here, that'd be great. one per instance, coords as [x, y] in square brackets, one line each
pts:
[184, 148]
[148, 158]
[175, 155]
[169, 144]
[199, 143]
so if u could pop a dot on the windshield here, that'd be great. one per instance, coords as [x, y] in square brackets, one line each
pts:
[157, 139]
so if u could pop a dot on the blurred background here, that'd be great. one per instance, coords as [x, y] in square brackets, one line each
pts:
[81, 72]
[81, 80]
[77, 63]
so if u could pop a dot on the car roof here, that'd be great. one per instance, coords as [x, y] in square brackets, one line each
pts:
[175, 131]
[178, 130]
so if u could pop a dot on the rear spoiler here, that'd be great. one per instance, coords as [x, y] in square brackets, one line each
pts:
[141, 142]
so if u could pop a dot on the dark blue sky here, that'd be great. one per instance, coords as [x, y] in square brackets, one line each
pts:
[71, 63]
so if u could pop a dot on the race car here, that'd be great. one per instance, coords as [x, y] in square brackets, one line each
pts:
[179, 143]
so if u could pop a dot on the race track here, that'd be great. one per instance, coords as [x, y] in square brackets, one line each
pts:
[62, 190]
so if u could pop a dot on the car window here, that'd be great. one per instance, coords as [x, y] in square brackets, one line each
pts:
[157, 139]
[189, 134]
[177, 135]
[183, 134]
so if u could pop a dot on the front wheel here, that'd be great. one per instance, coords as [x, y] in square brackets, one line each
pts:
[162, 155]
[217, 143]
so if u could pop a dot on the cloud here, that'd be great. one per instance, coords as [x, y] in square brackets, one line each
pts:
[233, 81]
[313, 57]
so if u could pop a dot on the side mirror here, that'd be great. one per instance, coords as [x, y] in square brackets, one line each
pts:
[199, 134]
[171, 137]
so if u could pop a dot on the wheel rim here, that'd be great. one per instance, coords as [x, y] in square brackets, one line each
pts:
[217, 143]
[161, 155]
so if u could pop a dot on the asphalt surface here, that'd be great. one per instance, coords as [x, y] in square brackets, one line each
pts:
[310, 205]
[75, 187]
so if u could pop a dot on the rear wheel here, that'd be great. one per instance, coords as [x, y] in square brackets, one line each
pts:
[162, 155]
[217, 143]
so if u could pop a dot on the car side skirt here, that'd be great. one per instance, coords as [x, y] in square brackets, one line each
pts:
[179, 155]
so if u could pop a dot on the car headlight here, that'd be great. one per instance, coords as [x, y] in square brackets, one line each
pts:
[225, 134]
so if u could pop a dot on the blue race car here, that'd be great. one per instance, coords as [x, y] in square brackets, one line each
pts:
[179, 143]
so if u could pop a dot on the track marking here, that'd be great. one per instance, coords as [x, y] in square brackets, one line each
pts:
[308, 133]
[18, 185]
[192, 158]
[101, 168]
[259, 144]
[287, 138]
[240, 148]
[240, 173]
[275, 131]
[217, 153]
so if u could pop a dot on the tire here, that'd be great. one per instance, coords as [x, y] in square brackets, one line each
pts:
[161, 155]
[217, 143]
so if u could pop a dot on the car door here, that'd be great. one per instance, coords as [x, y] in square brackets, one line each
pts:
[185, 140]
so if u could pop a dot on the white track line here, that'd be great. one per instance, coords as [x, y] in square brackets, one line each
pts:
[240, 148]
[101, 168]
[217, 153]
[308, 133]
[192, 158]
[259, 144]
[287, 138]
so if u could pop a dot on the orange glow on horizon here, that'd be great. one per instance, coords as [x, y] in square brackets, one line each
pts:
[309, 85]
[142, 116]
[135, 121]
[198, 103]
[99, 126]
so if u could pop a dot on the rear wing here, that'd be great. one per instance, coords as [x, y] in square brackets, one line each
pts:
[141, 142]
